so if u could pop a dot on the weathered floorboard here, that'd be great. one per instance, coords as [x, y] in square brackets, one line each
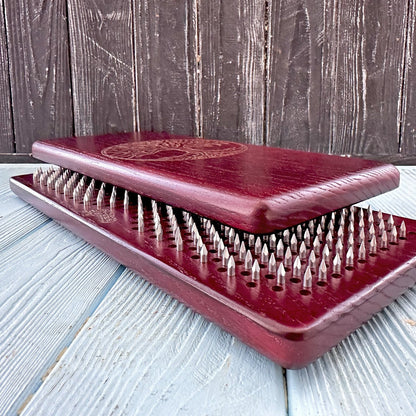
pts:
[144, 353]
[102, 66]
[51, 281]
[165, 48]
[6, 129]
[335, 75]
[232, 68]
[40, 81]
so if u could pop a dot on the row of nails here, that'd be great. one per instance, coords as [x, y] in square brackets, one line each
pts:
[282, 245]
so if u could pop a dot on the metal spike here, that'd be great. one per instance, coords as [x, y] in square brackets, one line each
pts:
[257, 247]
[319, 233]
[212, 232]
[272, 241]
[312, 261]
[361, 236]
[281, 273]
[216, 240]
[231, 267]
[342, 221]
[361, 214]
[371, 218]
[379, 215]
[329, 240]
[299, 232]
[287, 261]
[323, 272]
[326, 254]
[311, 227]
[272, 264]
[203, 255]
[242, 252]
[225, 256]
[361, 223]
[286, 236]
[159, 233]
[255, 271]
[199, 245]
[179, 242]
[340, 233]
[264, 254]
[307, 278]
[381, 227]
[316, 246]
[369, 210]
[113, 197]
[390, 223]
[221, 247]
[349, 258]
[294, 244]
[384, 240]
[280, 248]
[371, 231]
[361, 252]
[307, 238]
[373, 245]
[402, 231]
[323, 221]
[351, 228]
[351, 240]
[339, 248]
[237, 243]
[140, 225]
[302, 251]
[232, 236]
[248, 261]
[336, 264]
[251, 240]
[393, 235]
[297, 266]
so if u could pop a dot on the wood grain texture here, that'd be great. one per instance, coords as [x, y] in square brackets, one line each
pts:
[165, 56]
[372, 371]
[51, 281]
[40, 82]
[6, 128]
[144, 353]
[102, 66]
[8, 200]
[408, 131]
[335, 75]
[233, 70]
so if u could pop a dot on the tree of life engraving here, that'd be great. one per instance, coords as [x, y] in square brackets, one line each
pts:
[172, 150]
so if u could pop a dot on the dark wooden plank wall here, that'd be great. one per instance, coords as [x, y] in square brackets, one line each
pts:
[326, 76]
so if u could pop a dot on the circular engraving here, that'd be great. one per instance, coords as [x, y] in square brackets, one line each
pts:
[172, 150]
[104, 216]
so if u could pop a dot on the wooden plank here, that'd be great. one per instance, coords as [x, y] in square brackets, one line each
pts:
[9, 202]
[6, 128]
[335, 75]
[165, 48]
[40, 82]
[51, 281]
[408, 132]
[142, 352]
[233, 70]
[102, 66]
[372, 371]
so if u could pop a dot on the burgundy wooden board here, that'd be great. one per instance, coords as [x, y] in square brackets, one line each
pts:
[254, 188]
[291, 325]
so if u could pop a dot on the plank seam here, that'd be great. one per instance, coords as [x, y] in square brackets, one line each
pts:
[136, 108]
[198, 68]
[6, 34]
[285, 389]
[266, 63]
[71, 80]
[402, 94]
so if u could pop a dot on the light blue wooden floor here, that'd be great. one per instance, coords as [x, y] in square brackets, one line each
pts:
[80, 334]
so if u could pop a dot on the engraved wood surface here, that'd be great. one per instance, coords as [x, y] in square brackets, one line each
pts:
[141, 352]
[327, 76]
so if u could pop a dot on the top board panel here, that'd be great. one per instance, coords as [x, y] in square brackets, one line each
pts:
[257, 189]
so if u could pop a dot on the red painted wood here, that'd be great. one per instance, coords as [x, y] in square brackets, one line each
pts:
[291, 328]
[254, 188]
